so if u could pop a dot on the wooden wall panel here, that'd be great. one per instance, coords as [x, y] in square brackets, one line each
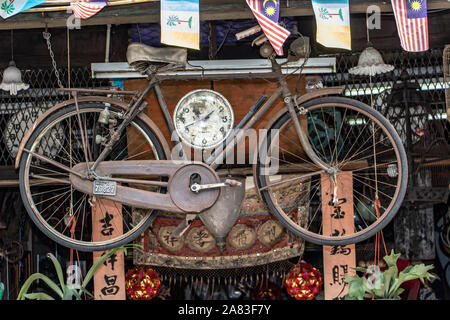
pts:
[242, 94]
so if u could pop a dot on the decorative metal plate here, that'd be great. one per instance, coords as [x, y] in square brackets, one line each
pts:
[104, 188]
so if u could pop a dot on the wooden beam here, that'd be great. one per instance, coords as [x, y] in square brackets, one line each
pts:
[209, 10]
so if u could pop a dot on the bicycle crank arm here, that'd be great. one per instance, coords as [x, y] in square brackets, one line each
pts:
[227, 183]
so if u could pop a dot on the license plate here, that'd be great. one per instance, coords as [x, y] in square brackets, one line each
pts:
[105, 188]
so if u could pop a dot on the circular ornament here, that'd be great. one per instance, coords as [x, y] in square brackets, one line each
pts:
[270, 232]
[242, 237]
[167, 241]
[142, 283]
[303, 282]
[200, 239]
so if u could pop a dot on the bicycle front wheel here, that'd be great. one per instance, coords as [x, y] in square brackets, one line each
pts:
[68, 138]
[350, 137]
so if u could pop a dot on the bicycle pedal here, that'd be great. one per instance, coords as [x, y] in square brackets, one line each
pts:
[233, 183]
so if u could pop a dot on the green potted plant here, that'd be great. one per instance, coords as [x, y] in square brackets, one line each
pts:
[377, 284]
[62, 290]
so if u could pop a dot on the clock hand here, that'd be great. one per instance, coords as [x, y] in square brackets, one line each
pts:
[193, 122]
[208, 115]
[205, 118]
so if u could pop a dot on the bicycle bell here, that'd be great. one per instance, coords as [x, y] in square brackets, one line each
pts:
[266, 50]
[300, 47]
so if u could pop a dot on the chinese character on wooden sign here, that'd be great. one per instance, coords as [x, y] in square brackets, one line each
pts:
[337, 218]
[109, 279]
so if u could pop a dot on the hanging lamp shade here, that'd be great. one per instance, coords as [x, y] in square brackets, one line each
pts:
[12, 80]
[370, 63]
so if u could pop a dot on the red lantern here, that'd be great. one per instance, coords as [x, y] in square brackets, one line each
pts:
[303, 282]
[142, 283]
[266, 291]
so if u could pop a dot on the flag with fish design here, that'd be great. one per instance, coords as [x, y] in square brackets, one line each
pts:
[180, 23]
[333, 23]
[9, 8]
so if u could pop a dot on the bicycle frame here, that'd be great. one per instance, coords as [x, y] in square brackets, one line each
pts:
[82, 178]
[253, 116]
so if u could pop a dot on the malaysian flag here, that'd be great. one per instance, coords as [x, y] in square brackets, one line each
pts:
[85, 9]
[267, 13]
[412, 24]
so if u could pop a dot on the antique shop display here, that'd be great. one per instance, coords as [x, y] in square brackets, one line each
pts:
[129, 161]
[260, 150]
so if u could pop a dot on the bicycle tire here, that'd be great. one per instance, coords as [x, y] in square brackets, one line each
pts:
[30, 207]
[384, 219]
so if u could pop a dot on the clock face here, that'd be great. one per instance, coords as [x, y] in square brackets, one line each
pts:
[203, 119]
[19, 124]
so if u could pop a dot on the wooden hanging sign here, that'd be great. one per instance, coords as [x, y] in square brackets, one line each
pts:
[337, 220]
[109, 279]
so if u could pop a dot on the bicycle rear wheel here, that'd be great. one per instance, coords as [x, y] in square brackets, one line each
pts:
[63, 213]
[350, 137]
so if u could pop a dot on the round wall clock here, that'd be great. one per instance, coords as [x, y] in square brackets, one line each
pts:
[18, 125]
[203, 119]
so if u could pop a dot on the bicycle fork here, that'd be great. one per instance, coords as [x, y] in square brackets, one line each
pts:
[289, 102]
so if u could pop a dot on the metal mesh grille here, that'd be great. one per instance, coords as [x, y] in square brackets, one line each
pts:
[42, 94]
[425, 69]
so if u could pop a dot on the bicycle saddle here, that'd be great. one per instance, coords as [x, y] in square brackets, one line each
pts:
[147, 59]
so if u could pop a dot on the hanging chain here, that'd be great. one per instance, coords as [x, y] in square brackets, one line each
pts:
[47, 37]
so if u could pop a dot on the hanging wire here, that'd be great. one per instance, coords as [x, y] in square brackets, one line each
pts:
[139, 32]
[68, 58]
[12, 45]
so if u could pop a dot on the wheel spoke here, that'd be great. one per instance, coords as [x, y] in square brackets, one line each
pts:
[57, 204]
[362, 145]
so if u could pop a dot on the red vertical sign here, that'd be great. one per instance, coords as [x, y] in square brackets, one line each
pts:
[337, 220]
[109, 279]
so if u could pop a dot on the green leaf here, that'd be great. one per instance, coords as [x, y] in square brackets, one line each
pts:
[361, 269]
[349, 278]
[105, 257]
[38, 296]
[58, 269]
[418, 271]
[356, 288]
[391, 260]
[38, 276]
[83, 290]
[389, 275]
[397, 293]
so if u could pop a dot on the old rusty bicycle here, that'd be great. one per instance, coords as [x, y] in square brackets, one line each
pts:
[96, 147]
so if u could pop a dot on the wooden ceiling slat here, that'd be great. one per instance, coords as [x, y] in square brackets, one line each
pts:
[209, 10]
